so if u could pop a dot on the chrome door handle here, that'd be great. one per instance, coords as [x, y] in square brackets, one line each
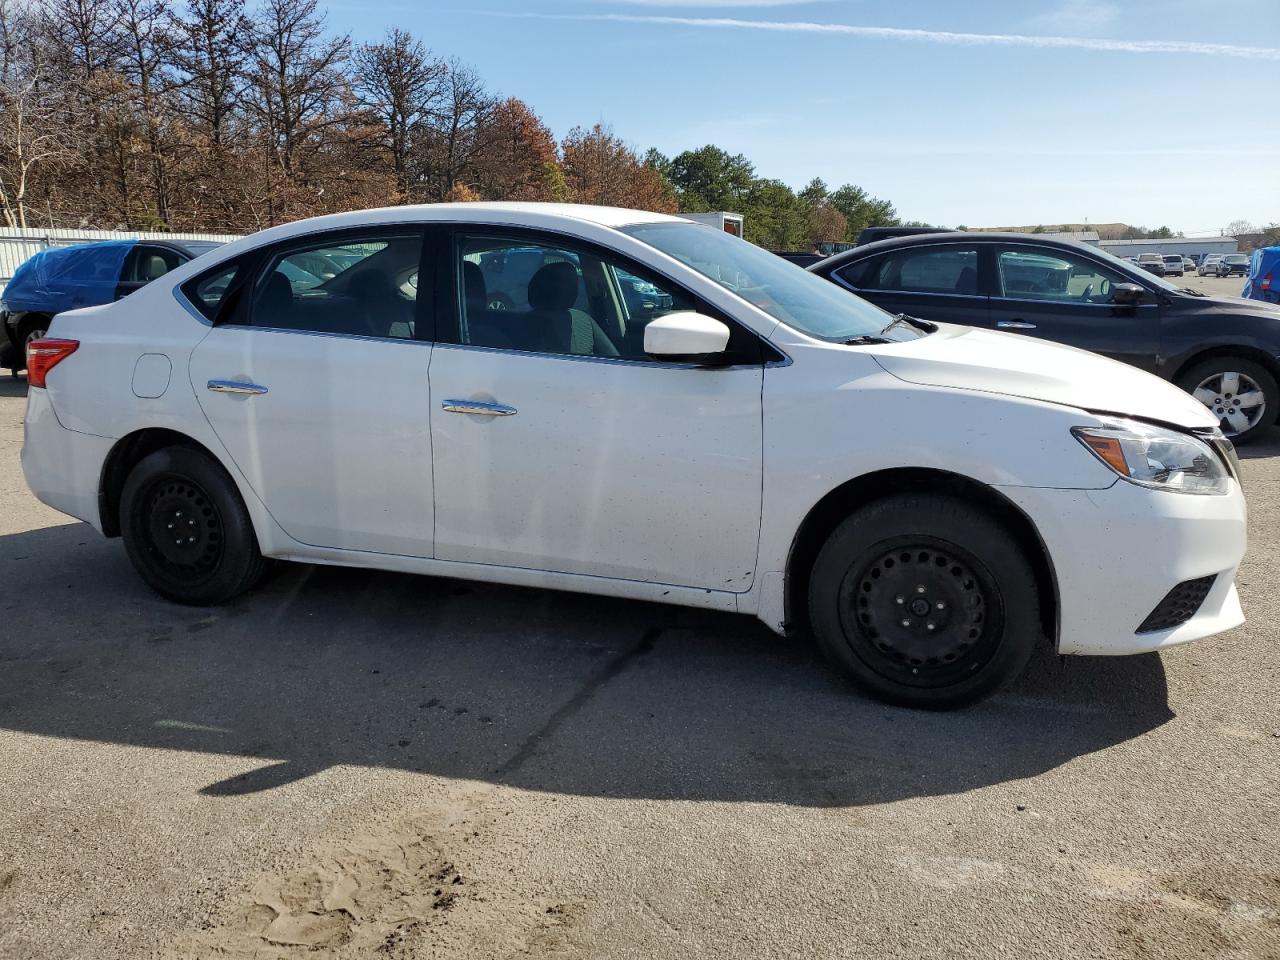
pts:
[1015, 325]
[236, 386]
[481, 407]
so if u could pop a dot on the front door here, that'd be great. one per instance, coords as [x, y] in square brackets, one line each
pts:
[1068, 298]
[558, 445]
[318, 390]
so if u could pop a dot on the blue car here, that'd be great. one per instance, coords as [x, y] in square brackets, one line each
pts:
[84, 275]
[1263, 281]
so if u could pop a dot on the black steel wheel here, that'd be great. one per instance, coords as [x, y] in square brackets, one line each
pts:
[925, 601]
[186, 530]
[924, 613]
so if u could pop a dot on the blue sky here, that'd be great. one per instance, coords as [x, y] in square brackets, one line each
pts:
[994, 113]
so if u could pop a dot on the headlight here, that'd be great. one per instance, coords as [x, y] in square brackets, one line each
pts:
[1155, 457]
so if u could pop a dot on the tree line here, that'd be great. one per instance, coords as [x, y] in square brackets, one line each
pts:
[212, 115]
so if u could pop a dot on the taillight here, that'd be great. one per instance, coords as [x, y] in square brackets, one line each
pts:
[1266, 282]
[44, 355]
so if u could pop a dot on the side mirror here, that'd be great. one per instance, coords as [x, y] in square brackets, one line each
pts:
[685, 336]
[1127, 294]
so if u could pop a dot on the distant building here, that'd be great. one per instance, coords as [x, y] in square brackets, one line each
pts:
[1195, 247]
[1080, 236]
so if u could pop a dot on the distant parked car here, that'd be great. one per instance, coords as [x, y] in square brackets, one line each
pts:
[1234, 264]
[1222, 351]
[1173, 266]
[875, 234]
[1152, 262]
[1263, 282]
[800, 258]
[1209, 265]
[84, 275]
[1188, 264]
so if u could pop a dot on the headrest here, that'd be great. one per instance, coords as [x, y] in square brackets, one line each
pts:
[473, 287]
[554, 287]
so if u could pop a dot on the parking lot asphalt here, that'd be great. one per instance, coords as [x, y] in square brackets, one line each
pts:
[356, 764]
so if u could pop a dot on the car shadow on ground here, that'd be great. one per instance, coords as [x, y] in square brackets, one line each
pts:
[12, 386]
[534, 689]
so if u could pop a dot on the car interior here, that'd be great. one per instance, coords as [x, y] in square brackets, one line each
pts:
[359, 289]
[545, 300]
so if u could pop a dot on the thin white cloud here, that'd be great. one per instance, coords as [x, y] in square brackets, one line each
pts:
[927, 36]
[1076, 16]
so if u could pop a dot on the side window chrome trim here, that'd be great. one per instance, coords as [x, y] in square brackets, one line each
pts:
[190, 307]
[324, 333]
[580, 358]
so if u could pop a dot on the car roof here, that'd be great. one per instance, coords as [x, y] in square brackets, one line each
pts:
[932, 239]
[535, 215]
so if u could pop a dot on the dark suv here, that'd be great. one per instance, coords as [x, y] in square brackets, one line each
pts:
[1226, 352]
[1234, 264]
[83, 275]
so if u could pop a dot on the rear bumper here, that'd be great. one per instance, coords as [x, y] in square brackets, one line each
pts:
[1118, 552]
[63, 468]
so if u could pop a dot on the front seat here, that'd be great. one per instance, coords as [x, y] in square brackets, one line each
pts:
[153, 268]
[554, 323]
[275, 302]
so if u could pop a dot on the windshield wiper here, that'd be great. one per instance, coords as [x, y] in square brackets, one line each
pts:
[865, 340]
[1193, 293]
[916, 322]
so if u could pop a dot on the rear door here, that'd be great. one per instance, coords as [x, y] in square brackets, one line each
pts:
[938, 282]
[1067, 297]
[318, 388]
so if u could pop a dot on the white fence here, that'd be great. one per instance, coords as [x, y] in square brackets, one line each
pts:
[17, 244]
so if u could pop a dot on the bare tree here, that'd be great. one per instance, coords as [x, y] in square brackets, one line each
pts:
[297, 78]
[30, 137]
[210, 54]
[145, 59]
[401, 84]
[444, 150]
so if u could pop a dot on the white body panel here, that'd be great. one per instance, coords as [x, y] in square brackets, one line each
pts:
[607, 469]
[338, 448]
[631, 479]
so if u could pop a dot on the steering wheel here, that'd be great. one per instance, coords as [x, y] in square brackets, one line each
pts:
[1087, 291]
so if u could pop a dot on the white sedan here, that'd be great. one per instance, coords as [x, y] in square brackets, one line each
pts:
[631, 404]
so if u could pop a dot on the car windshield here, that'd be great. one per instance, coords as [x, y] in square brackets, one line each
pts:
[1237, 258]
[781, 289]
[1147, 278]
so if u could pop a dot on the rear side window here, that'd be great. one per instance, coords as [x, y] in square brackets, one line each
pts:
[146, 263]
[364, 286]
[208, 290]
[947, 269]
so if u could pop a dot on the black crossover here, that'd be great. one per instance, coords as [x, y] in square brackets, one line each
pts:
[1225, 351]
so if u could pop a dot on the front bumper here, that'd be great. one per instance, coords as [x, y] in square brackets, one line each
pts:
[1117, 553]
[63, 468]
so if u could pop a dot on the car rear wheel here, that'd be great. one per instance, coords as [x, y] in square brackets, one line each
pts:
[924, 601]
[186, 530]
[1242, 394]
[30, 334]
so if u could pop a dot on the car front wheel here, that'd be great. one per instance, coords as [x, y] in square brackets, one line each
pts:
[924, 601]
[1242, 394]
[186, 530]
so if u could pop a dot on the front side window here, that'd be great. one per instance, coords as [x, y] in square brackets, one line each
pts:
[358, 287]
[1041, 273]
[544, 298]
[783, 290]
[938, 269]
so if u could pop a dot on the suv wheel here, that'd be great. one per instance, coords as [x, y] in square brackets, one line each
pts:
[1242, 394]
[186, 530]
[924, 601]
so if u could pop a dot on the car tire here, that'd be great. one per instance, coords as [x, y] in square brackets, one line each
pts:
[1207, 376]
[183, 493]
[925, 601]
[31, 331]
